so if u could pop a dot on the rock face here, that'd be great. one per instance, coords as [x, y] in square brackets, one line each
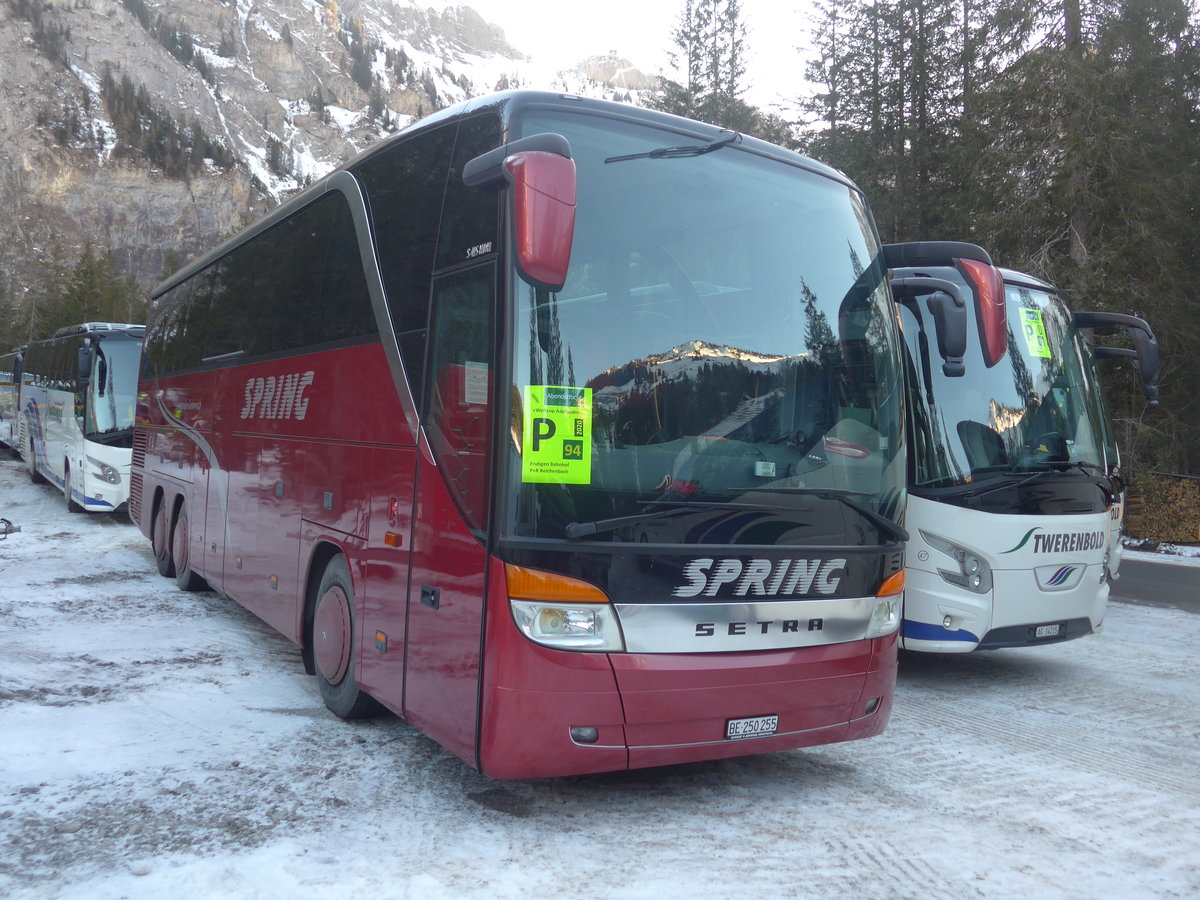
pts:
[156, 127]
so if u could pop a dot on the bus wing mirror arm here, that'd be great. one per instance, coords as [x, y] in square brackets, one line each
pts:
[487, 169]
[1145, 347]
[948, 307]
[542, 192]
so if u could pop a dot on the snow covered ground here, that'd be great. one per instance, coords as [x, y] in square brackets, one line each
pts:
[161, 744]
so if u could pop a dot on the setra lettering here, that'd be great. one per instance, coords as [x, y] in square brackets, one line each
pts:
[750, 628]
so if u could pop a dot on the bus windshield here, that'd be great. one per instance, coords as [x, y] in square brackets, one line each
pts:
[719, 366]
[1040, 408]
[112, 390]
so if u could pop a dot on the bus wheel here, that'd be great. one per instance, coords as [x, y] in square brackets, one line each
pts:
[181, 547]
[332, 642]
[160, 541]
[72, 506]
[34, 475]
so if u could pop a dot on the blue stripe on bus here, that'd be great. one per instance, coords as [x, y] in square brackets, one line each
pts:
[923, 631]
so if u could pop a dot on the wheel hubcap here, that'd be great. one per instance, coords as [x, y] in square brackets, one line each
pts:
[331, 634]
[159, 541]
[179, 546]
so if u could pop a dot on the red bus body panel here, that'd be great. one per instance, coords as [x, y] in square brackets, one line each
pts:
[664, 709]
[436, 641]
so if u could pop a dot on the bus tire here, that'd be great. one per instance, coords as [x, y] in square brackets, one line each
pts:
[72, 506]
[31, 459]
[160, 541]
[332, 641]
[181, 548]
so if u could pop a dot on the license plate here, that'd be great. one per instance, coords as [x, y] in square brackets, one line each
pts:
[1047, 631]
[759, 726]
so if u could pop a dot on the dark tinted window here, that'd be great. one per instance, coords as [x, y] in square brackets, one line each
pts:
[470, 217]
[53, 364]
[404, 185]
[297, 286]
[458, 408]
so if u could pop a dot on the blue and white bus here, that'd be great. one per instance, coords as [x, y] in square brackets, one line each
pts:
[76, 402]
[1015, 494]
[10, 392]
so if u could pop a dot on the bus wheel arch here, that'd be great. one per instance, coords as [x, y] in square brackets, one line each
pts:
[329, 646]
[72, 506]
[322, 553]
[31, 458]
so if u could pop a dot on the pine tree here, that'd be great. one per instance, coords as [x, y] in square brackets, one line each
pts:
[711, 63]
[1063, 137]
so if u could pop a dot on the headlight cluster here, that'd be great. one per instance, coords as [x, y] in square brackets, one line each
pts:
[562, 612]
[104, 471]
[885, 618]
[974, 573]
[564, 626]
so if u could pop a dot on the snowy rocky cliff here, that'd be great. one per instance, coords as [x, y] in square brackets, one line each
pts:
[154, 127]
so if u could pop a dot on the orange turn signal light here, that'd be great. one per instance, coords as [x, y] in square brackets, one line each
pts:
[892, 585]
[533, 584]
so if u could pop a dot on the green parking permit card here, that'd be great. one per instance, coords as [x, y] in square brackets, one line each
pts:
[557, 435]
[1034, 330]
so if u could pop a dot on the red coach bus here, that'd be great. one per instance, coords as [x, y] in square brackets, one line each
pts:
[568, 431]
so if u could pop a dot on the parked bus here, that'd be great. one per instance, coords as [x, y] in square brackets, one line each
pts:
[422, 418]
[1015, 494]
[10, 393]
[77, 397]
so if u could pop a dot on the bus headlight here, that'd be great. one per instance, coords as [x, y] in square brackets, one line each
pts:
[104, 471]
[885, 618]
[974, 574]
[568, 626]
[562, 612]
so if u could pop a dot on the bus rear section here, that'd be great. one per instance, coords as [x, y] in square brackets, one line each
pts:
[10, 399]
[76, 406]
[1015, 490]
[607, 470]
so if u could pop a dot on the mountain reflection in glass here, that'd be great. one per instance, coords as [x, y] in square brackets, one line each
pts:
[726, 324]
[1040, 408]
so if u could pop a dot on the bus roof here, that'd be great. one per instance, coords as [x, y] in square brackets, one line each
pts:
[507, 104]
[1022, 279]
[97, 328]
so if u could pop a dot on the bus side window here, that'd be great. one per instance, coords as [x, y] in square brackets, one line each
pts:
[470, 217]
[345, 301]
[458, 408]
[404, 187]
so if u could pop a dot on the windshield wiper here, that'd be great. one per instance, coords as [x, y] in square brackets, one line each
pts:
[576, 530]
[677, 152]
[1100, 478]
[883, 523]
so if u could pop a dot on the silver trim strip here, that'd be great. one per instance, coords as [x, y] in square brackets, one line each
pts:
[690, 627]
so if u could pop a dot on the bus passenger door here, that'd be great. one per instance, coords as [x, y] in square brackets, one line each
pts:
[446, 588]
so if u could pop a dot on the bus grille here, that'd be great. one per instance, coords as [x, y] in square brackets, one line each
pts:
[135, 476]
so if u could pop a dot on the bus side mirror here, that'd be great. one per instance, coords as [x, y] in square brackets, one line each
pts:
[1144, 352]
[542, 180]
[949, 310]
[544, 216]
[83, 365]
[950, 319]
